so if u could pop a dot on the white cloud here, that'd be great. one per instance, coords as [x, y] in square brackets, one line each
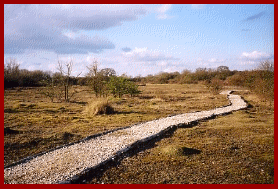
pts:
[212, 60]
[255, 55]
[162, 11]
[54, 27]
[251, 59]
[215, 60]
[199, 59]
[71, 35]
[162, 63]
[247, 62]
[164, 8]
[198, 6]
[147, 56]
[171, 69]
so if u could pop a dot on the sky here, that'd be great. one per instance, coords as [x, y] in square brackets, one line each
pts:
[139, 40]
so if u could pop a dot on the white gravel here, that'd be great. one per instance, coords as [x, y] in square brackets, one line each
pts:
[64, 163]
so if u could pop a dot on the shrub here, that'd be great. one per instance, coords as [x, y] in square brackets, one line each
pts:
[188, 79]
[237, 79]
[264, 84]
[132, 88]
[119, 86]
[215, 85]
[99, 85]
[99, 106]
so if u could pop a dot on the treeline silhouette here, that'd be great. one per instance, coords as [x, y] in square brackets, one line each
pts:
[260, 80]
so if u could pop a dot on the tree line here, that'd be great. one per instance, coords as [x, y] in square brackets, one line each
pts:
[102, 81]
[259, 80]
[105, 81]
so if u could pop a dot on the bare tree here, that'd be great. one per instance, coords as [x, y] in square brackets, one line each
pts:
[96, 80]
[11, 66]
[266, 65]
[67, 73]
[65, 69]
[93, 69]
[11, 73]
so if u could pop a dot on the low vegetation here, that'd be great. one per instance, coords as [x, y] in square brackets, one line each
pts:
[38, 124]
[234, 149]
[98, 107]
[43, 110]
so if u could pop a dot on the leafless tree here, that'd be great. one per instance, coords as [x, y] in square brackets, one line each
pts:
[266, 65]
[65, 69]
[11, 66]
[93, 69]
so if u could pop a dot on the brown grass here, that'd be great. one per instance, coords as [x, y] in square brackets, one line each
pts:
[98, 107]
[39, 124]
[236, 148]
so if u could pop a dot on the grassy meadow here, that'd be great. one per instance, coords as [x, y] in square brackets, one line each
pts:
[33, 123]
[236, 148]
[233, 149]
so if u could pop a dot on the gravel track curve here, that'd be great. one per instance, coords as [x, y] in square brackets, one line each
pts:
[64, 164]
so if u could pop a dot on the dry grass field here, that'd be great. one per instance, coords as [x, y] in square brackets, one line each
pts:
[34, 124]
[236, 148]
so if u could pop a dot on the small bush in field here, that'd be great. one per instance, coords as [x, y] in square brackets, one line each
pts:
[237, 79]
[215, 85]
[99, 106]
[119, 86]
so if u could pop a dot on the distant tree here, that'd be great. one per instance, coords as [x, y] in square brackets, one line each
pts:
[11, 73]
[185, 72]
[222, 69]
[266, 65]
[65, 69]
[201, 74]
[11, 66]
[93, 69]
[98, 79]
[222, 72]
[108, 72]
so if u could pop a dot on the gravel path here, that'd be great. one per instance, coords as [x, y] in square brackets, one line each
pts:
[65, 163]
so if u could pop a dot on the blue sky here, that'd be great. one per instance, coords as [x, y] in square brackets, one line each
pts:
[139, 39]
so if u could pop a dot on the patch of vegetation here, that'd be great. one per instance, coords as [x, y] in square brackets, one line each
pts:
[98, 107]
[29, 111]
[237, 148]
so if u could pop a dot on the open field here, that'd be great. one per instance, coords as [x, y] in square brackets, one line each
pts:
[34, 124]
[236, 148]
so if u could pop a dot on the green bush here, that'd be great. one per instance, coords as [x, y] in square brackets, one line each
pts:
[119, 86]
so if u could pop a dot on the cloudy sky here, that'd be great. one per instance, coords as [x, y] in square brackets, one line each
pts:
[139, 39]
